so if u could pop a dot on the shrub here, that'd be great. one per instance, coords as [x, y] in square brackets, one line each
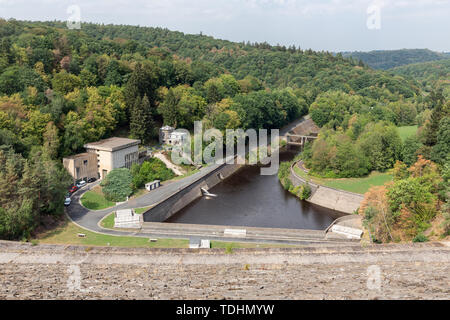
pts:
[153, 169]
[117, 185]
[420, 238]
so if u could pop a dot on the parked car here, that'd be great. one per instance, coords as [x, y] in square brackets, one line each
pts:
[67, 202]
[80, 184]
[91, 180]
[68, 194]
[73, 189]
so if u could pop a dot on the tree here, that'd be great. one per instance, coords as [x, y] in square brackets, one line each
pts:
[51, 140]
[144, 80]
[411, 148]
[432, 127]
[64, 82]
[441, 150]
[153, 169]
[117, 185]
[168, 108]
[141, 121]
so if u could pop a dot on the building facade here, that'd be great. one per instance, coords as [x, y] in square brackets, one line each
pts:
[82, 166]
[164, 134]
[114, 153]
[102, 157]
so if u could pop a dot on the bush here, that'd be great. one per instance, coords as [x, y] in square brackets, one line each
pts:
[117, 185]
[420, 238]
[153, 169]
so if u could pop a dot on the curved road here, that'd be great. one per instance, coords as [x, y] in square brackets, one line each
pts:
[89, 219]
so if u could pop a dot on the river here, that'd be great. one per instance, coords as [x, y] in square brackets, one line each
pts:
[250, 199]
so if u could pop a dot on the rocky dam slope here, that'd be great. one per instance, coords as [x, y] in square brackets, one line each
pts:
[414, 271]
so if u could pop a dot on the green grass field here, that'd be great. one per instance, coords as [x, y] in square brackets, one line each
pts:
[108, 221]
[406, 132]
[95, 200]
[356, 185]
[141, 210]
[68, 234]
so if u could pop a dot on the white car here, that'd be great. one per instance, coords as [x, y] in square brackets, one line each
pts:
[67, 202]
[80, 184]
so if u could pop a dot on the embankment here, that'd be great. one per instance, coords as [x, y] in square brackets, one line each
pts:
[338, 200]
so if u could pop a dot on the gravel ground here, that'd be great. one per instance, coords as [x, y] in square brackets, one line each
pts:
[383, 272]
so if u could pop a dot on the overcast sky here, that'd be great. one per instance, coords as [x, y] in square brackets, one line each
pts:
[333, 25]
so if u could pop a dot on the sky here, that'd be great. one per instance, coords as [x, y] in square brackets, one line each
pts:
[332, 25]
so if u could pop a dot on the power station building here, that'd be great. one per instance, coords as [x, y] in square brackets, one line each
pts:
[102, 157]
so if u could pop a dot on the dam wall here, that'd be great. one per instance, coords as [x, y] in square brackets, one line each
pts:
[180, 199]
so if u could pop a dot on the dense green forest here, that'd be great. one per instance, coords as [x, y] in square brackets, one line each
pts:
[429, 75]
[387, 59]
[61, 88]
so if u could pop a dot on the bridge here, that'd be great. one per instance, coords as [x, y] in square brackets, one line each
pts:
[298, 140]
[172, 197]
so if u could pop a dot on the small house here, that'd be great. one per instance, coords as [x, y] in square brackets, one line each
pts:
[153, 185]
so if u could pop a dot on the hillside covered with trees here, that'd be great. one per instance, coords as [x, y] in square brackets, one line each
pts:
[387, 59]
[60, 89]
[429, 75]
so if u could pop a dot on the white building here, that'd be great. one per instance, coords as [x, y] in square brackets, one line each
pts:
[177, 138]
[114, 153]
[164, 134]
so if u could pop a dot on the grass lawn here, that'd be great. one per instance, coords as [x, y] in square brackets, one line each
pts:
[67, 233]
[108, 221]
[407, 131]
[95, 200]
[356, 185]
[141, 210]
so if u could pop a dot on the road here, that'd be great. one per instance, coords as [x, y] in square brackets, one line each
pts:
[89, 219]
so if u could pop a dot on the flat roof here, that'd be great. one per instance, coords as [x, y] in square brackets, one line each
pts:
[79, 155]
[112, 144]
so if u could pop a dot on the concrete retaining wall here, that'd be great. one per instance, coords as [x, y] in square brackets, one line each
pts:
[174, 203]
[338, 200]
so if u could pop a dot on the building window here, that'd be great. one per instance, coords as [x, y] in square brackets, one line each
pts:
[85, 162]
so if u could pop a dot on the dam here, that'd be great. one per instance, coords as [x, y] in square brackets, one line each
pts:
[249, 199]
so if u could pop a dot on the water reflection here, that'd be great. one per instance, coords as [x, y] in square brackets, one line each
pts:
[250, 199]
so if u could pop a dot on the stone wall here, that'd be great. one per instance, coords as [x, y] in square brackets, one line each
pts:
[174, 203]
[415, 271]
[338, 200]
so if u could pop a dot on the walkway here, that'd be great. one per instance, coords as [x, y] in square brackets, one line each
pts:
[89, 219]
[176, 169]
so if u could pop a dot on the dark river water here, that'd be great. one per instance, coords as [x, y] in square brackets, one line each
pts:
[250, 199]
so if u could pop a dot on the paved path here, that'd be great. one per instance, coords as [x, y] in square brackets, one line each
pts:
[176, 169]
[89, 219]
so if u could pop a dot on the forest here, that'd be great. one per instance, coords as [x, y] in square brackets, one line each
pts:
[387, 59]
[61, 88]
